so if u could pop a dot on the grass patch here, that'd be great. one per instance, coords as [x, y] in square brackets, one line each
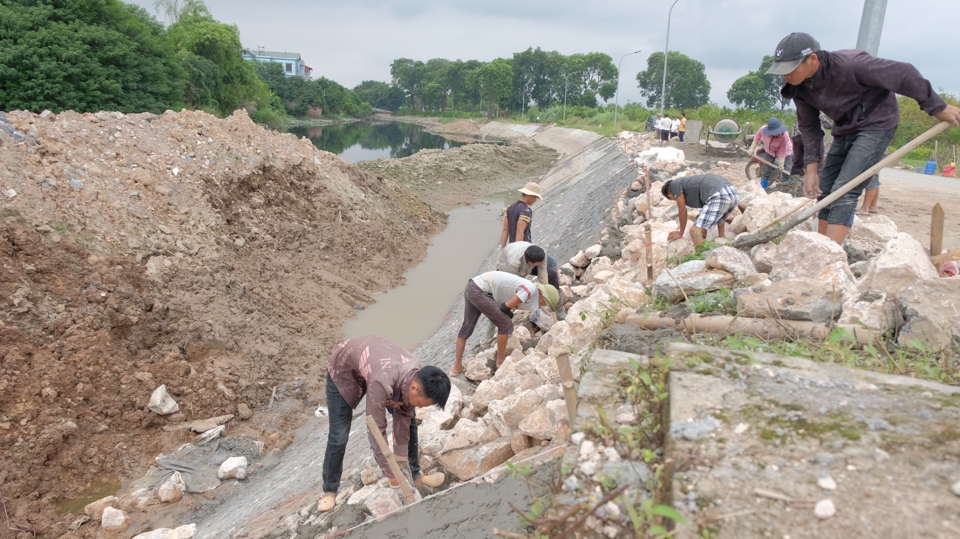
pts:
[887, 357]
[699, 253]
[718, 302]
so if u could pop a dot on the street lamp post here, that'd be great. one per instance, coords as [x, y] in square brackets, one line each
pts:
[565, 98]
[666, 51]
[616, 102]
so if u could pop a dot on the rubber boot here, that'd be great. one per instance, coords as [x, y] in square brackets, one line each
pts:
[764, 182]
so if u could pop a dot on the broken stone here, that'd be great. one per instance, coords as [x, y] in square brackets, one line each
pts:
[434, 418]
[793, 299]
[690, 277]
[500, 388]
[593, 251]
[370, 476]
[244, 411]
[580, 260]
[763, 256]
[507, 414]
[931, 309]
[233, 467]
[825, 509]
[733, 261]
[804, 254]
[94, 510]
[114, 520]
[473, 461]
[187, 531]
[161, 402]
[520, 442]
[477, 370]
[172, 489]
[383, 501]
[827, 483]
[871, 309]
[902, 262]
[467, 433]
[361, 496]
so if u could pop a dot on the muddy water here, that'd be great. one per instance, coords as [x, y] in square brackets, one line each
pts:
[93, 493]
[411, 312]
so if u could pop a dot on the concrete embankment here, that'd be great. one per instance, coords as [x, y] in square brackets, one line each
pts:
[575, 209]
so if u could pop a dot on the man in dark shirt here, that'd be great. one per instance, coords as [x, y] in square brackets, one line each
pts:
[517, 221]
[394, 381]
[856, 91]
[712, 192]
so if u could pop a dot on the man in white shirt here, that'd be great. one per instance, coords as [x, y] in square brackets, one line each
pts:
[496, 294]
[665, 124]
[674, 128]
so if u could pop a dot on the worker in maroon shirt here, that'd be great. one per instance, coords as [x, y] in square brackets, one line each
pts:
[394, 381]
[858, 92]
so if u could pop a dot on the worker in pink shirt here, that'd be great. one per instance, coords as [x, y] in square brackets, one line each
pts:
[776, 148]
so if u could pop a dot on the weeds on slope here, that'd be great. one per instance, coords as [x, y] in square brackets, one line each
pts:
[914, 359]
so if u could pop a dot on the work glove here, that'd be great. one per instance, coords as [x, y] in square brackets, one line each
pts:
[506, 310]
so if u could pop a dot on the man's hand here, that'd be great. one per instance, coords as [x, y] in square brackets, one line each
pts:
[675, 235]
[950, 114]
[506, 310]
[811, 184]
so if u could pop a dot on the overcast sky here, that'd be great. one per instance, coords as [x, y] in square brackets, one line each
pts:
[350, 41]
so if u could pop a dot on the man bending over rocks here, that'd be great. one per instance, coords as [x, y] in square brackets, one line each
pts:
[712, 192]
[523, 258]
[496, 294]
[394, 381]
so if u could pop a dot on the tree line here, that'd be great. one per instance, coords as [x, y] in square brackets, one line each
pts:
[91, 55]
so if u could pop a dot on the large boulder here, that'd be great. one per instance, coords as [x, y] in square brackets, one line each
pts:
[763, 256]
[871, 309]
[732, 261]
[868, 237]
[434, 418]
[499, 388]
[793, 299]
[382, 502]
[902, 262]
[467, 433]
[507, 414]
[757, 214]
[804, 253]
[469, 462]
[931, 310]
[691, 278]
[114, 520]
[545, 421]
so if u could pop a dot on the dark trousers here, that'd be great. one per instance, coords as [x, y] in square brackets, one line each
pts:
[552, 276]
[849, 155]
[341, 417]
[682, 133]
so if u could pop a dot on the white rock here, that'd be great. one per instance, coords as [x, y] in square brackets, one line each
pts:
[588, 468]
[955, 488]
[233, 467]
[827, 483]
[434, 418]
[825, 509]
[577, 437]
[187, 531]
[162, 403]
[741, 428]
[593, 251]
[114, 520]
[580, 260]
[733, 261]
[382, 502]
[690, 277]
[172, 489]
[902, 262]
[804, 254]
[587, 450]
[94, 510]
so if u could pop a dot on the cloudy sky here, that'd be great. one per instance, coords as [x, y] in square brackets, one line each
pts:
[350, 41]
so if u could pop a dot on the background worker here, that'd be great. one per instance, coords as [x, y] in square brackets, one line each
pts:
[775, 147]
[496, 294]
[682, 129]
[519, 216]
[665, 123]
[713, 193]
[675, 128]
[857, 91]
[393, 380]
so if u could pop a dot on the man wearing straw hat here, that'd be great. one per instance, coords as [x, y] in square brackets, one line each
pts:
[517, 221]
[858, 92]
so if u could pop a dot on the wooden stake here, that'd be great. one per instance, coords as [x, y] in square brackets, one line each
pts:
[936, 230]
[405, 487]
[569, 386]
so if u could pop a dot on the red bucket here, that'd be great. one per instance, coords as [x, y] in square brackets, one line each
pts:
[948, 171]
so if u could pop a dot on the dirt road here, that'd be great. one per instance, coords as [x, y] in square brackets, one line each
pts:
[907, 198]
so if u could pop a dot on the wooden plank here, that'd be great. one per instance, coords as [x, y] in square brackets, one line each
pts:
[569, 386]
[936, 231]
[405, 487]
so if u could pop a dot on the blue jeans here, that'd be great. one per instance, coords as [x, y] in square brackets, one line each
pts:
[848, 157]
[341, 417]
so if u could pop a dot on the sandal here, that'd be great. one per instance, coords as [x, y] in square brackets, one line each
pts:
[326, 502]
[455, 372]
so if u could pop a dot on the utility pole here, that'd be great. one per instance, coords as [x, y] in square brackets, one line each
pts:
[666, 51]
[616, 102]
[871, 24]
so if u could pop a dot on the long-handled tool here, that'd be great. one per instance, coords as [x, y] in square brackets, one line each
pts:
[750, 240]
[408, 492]
[764, 161]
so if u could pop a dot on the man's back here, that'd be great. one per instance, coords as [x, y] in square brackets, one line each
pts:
[519, 211]
[697, 189]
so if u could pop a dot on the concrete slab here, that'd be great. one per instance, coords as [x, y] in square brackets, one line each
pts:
[779, 435]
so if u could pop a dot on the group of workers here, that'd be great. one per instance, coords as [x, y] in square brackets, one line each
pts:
[674, 128]
[854, 89]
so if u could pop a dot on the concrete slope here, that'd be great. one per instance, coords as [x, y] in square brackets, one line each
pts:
[572, 215]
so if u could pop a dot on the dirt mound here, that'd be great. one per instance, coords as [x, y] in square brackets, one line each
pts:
[462, 176]
[209, 255]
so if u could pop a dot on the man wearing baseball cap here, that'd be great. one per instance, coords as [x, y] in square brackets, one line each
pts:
[858, 92]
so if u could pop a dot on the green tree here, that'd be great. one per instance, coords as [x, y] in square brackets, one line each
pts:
[85, 55]
[408, 75]
[756, 90]
[687, 84]
[220, 80]
[493, 81]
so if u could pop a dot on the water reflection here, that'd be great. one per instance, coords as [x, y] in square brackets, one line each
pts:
[362, 141]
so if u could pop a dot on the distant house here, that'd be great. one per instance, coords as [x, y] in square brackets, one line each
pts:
[293, 65]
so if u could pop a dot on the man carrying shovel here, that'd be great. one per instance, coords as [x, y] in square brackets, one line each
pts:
[393, 380]
[857, 91]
